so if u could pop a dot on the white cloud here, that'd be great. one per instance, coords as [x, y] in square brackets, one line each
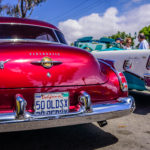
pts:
[109, 23]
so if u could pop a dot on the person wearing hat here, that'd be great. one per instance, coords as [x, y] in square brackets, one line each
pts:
[143, 43]
[119, 42]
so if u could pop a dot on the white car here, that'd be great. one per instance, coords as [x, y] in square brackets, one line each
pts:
[135, 64]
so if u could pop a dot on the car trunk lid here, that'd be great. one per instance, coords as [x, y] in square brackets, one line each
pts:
[22, 66]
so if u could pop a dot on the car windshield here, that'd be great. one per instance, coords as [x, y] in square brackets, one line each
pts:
[37, 33]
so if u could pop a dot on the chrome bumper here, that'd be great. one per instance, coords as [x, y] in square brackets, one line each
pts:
[22, 120]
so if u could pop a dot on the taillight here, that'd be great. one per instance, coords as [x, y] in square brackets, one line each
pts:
[123, 82]
[148, 64]
[127, 65]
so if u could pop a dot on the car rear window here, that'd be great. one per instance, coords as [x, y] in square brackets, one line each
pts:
[14, 31]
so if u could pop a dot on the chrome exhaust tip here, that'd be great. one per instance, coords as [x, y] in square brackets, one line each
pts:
[102, 123]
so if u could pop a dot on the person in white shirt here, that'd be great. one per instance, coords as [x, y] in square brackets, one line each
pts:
[143, 43]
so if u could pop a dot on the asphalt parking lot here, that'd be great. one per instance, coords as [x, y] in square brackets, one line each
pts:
[130, 132]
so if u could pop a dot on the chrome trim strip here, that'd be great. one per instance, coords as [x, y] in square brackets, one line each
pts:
[50, 62]
[100, 60]
[2, 63]
[8, 116]
[56, 35]
[99, 112]
[147, 75]
[28, 40]
[113, 69]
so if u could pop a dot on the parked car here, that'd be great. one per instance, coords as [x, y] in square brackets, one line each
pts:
[102, 44]
[46, 83]
[135, 64]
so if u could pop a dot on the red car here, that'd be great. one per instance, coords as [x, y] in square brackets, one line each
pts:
[46, 83]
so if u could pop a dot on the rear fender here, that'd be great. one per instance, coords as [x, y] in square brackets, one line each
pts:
[108, 69]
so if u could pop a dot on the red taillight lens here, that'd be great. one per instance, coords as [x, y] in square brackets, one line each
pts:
[123, 82]
[127, 65]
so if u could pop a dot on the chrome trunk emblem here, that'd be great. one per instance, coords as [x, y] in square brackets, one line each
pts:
[46, 62]
[2, 63]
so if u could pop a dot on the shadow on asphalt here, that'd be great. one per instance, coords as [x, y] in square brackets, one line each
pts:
[142, 100]
[79, 137]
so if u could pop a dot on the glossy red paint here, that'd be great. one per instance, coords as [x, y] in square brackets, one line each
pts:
[79, 71]
[78, 67]
[26, 21]
[99, 92]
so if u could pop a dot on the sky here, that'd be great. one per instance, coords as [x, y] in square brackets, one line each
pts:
[95, 18]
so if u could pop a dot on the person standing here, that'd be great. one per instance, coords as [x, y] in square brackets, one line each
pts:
[143, 43]
[119, 42]
[128, 43]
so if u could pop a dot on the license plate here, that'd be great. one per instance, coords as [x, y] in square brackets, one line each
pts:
[51, 103]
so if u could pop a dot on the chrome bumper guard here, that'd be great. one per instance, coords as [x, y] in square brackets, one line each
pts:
[23, 120]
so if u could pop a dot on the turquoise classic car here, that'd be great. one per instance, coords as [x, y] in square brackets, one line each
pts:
[103, 44]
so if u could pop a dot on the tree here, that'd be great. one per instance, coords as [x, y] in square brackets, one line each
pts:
[22, 9]
[2, 7]
[146, 31]
[123, 36]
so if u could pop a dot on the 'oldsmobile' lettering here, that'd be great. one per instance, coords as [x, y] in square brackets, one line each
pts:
[44, 54]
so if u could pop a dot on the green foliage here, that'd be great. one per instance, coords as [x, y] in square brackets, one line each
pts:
[2, 7]
[22, 9]
[123, 36]
[146, 31]
[108, 45]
